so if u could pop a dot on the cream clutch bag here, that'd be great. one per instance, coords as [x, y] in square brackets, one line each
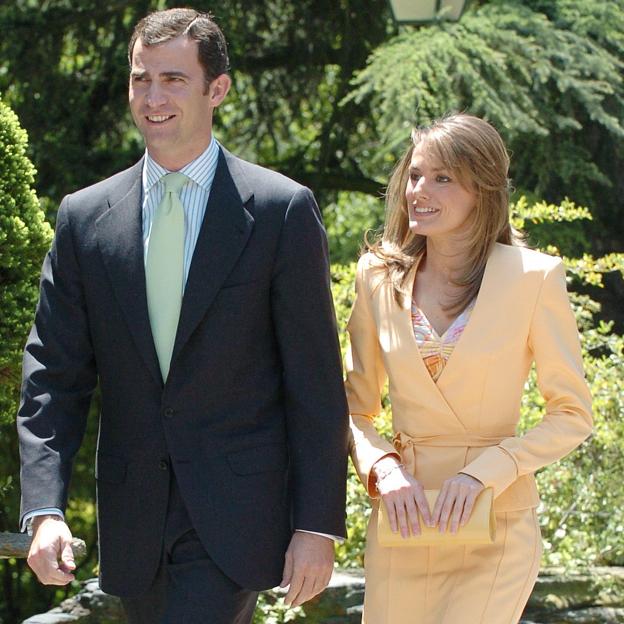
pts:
[480, 529]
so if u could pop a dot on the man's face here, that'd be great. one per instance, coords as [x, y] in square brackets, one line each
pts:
[170, 102]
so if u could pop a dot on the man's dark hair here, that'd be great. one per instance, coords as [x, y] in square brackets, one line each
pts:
[163, 26]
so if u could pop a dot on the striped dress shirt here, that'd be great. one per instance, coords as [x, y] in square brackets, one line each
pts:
[193, 195]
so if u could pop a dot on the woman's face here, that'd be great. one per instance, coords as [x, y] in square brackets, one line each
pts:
[437, 204]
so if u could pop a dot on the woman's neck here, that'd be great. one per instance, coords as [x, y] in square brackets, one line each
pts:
[443, 259]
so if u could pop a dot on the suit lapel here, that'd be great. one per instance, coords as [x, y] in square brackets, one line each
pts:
[225, 230]
[120, 241]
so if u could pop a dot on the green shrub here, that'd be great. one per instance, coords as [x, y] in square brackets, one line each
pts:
[24, 238]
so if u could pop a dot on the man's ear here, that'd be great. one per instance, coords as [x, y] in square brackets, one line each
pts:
[218, 89]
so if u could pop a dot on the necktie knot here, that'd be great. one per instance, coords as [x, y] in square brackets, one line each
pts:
[174, 182]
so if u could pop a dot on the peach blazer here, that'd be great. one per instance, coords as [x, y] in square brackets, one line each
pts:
[466, 422]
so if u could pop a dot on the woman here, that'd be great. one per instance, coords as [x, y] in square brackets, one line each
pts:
[453, 310]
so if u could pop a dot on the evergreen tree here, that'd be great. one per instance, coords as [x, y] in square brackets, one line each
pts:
[24, 238]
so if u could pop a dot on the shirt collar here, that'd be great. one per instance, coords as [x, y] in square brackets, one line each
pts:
[201, 170]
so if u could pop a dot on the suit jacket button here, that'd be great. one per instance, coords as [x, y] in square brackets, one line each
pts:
[169, 412]
[163, 464]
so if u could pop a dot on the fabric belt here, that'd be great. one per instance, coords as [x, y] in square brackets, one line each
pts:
[407, 445]
[403, 441]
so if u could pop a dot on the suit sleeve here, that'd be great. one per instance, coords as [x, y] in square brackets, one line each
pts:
[316, 410]
[365, 379]
[58, 378]
[567, 421]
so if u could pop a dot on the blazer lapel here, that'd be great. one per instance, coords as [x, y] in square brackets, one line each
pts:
[472, 351]
[223, 235]
[476, 330]
[120, 241]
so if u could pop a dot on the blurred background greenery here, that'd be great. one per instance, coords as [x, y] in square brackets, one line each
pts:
[326, 91]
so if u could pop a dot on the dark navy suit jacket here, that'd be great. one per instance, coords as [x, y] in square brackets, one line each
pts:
[252, 418]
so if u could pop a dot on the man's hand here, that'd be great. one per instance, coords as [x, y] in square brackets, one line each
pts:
[308, 567]
[50, 556]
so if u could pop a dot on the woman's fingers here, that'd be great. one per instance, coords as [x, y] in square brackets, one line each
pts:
[403, 496]
[390, 512]
[447, 505]
[458, 509]
[402, 519]
[412, 514]
[437, 508]
[456, 502]
[468, 507]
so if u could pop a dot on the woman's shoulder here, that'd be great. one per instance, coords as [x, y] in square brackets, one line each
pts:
[524, 259]
[370, 261]
[371, 271]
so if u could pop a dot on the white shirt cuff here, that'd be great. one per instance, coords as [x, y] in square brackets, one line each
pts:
[44, 511]
[334, 538]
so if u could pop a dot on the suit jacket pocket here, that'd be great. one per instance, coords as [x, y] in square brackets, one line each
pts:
[111, 469]
[266, 458]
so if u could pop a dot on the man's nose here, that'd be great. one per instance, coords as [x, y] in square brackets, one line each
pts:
[155, 96]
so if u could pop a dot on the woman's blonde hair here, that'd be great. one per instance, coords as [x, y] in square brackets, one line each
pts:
[473, 152]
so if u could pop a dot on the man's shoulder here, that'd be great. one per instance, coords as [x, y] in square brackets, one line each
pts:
[109, 190]
[261, 180]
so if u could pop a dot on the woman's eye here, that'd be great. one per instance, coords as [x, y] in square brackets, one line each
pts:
[443, 178]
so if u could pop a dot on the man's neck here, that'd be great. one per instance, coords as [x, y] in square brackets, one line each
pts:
[178, 161]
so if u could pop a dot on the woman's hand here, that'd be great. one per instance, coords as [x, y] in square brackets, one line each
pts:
[402, 495]
[456, 501]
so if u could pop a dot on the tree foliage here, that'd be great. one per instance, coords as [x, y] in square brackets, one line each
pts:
[63, 66]
[547, 74]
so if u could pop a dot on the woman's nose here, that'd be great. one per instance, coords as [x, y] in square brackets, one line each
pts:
[420, 188]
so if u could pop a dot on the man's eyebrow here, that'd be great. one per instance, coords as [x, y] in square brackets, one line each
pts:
[141, 73]
[173, 74]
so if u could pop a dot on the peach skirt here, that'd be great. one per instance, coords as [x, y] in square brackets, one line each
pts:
[457, 584]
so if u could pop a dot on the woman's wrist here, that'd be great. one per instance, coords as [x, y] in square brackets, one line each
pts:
[385, 467]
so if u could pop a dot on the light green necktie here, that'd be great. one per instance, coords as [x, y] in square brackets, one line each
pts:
[164, 269]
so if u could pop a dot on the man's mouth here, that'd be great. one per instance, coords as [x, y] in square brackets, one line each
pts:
[158, 118]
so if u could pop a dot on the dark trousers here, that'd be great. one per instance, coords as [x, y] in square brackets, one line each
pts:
[189, 588]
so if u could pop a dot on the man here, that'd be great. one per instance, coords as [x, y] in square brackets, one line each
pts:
[201, 303]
